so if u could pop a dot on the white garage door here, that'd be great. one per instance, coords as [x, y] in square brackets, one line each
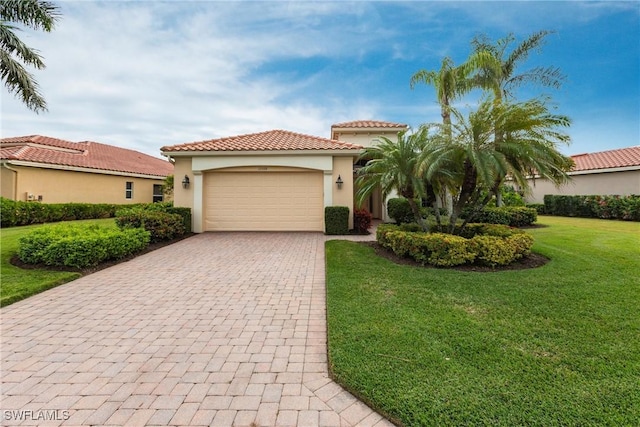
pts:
[263, 201]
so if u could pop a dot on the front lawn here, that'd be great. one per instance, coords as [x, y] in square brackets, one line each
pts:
[18, 283]
[556, 345]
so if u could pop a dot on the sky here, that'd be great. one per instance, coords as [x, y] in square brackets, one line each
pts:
[145, 74]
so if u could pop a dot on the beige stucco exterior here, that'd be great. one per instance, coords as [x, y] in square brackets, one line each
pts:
[326, 164]
[620, 182]
[31, 183]
[366, 137]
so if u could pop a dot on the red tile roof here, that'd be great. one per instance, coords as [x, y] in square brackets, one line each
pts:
[87, 154]
[273, 140]
[622, 157]
[363, 124]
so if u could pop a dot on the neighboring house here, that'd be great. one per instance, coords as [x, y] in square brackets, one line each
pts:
[602, 173]
[50, 170]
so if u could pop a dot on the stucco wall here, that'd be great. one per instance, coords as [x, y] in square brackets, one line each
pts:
[195, 167]
[365, 138]
[343, 167]
[622, 183]
[182, 197]
[7, 183]
[59, 186]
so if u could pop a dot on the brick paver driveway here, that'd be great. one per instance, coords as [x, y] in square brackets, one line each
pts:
[219, 329]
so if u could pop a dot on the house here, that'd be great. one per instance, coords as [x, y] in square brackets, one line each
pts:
[50, 170]
[602, 173]
[273, 180]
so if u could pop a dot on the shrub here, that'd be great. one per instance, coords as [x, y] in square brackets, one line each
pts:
[400, 211]
[493, 250]
[79, 246]
[160, 225]
[444, 250]
[185, 213]
[336, 220]
[15, 213]
[604, 207]
[361, 220]
[539, 207]
[382, 231]
[514, 216]
[487, 244]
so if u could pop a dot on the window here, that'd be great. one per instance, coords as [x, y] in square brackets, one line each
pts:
[158, 196]
[128, 192]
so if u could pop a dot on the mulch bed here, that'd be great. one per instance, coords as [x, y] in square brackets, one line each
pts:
[532, 261]
[84, 271]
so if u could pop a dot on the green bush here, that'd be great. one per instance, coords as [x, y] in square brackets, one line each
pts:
[514, 216]
[361, 220]
[160, 225]
[539, 207]
[493, 250]
[485, 244]
[400, 211]
[625, 208]
[15, 213]
[79, 246]
[336, 220]
[185, 213]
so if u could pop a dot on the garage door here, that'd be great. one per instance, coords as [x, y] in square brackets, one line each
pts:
[263, 201]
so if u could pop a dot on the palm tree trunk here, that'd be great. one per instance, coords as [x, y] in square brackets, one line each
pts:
[417, 215]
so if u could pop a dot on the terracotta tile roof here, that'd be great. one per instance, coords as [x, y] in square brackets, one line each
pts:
[622, 157]
[87, 154]
[364, 124]
[273, 140]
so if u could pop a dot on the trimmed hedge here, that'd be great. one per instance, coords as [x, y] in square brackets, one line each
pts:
[625, 208]
[361, 220]
[15, 213]
[488, 244]
[160, 225]
[336, 220]
[539, 207]
[400, 211]
[514, 216]
[79, 246]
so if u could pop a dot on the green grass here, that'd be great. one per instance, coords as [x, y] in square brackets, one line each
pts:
[554, 346]
[17, 283]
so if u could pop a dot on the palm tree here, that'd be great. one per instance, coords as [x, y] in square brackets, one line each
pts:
[498, 72]
[452, 82]
[35, 14]
[395, 166]
[478, 162]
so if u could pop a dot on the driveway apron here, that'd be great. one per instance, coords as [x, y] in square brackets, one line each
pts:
[221, 329]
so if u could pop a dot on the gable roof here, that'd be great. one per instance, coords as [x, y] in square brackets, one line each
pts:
[366, 124]
[88, 155]
[273, 140]
[610, 159]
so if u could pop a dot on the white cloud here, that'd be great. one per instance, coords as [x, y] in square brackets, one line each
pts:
[143, 75]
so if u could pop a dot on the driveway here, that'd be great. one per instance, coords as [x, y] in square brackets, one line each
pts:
[219, 329]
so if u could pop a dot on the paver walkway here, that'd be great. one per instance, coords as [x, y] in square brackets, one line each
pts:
[219, 329]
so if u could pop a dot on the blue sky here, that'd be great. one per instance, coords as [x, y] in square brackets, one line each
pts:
[146, 74]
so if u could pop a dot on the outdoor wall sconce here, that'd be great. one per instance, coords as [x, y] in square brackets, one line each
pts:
[185, 182]
[339, 182]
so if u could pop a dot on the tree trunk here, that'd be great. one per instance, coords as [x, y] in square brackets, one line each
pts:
[416, 213]
[468, 187]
